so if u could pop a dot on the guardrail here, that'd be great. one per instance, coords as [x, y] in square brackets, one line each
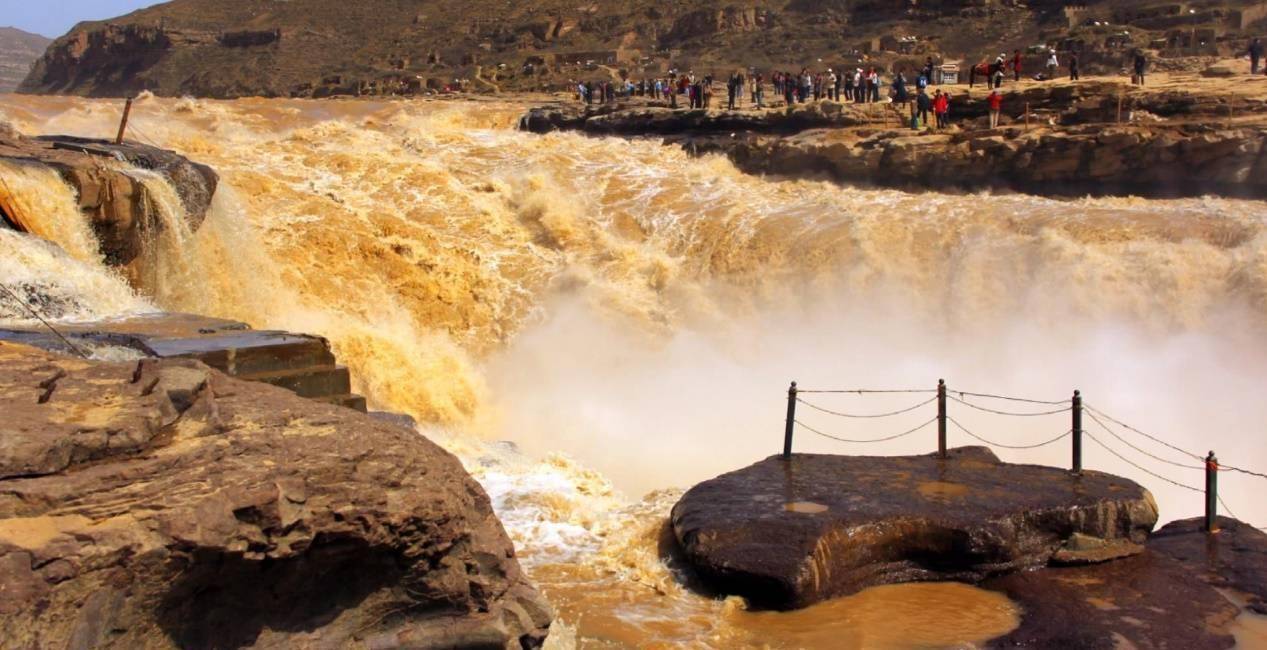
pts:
[1075, 407]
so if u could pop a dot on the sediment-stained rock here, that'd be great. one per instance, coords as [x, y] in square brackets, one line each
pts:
[162, 504]
[787, 534]
[1147, 601]
[658, 119]
[1155, 160]
[1235, 558]
[123, 213]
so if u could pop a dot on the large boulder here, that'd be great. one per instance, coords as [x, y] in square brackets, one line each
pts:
[790, 533]
[161, 504]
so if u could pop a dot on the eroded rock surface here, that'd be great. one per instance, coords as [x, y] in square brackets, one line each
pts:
[1235, 558]
[1147, 601]
[162, 504]
[787, 534]
[1155, 160]
[658, 119]
[123, 213]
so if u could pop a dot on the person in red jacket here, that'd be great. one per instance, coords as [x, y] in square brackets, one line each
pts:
[1016, 64]
[996, 107]
[941, 107]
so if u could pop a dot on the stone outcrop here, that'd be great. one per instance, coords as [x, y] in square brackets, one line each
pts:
[162, 504]
[1155, 160]
[1235, 558]
[787, 534]
[301, 363]
[1149, 601]
[657, 119]
[1167, 597]
[122, 212]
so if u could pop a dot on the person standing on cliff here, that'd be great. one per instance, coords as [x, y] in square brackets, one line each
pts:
[996, 72]
[1053, 64]
[925, 104]
[1017, 63]
[900, 95]
[995, 101]
[1141, 66]
[941, 108]
[1255, 55]
[1073, 66]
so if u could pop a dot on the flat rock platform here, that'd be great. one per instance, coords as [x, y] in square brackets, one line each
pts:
[786, 534]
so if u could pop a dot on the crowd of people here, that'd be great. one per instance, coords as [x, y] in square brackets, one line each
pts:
[862, 86]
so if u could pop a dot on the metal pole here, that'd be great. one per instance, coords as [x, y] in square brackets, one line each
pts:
[1077, 432]
[791, 422]
[1211, 493]
[123, 125]
[941, 417]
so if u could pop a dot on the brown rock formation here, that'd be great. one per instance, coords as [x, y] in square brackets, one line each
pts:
[657, 119]
[1155, 160]
[123, 214]
[1165, 598]
[787, 534]
[1150, 601]
[1235, 558]
[163, 504]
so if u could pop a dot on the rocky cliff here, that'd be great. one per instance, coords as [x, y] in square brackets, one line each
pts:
[161, 504]
[328, 47]
[18, 50]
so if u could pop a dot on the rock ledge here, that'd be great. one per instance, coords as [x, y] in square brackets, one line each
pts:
[787, 534]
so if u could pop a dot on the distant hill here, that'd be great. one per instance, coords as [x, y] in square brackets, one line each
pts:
[18, 50]
[231, 48]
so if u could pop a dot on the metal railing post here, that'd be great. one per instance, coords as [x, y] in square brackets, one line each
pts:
[791, 422]
[1211, 493]
[941, 417]
[1077, 431]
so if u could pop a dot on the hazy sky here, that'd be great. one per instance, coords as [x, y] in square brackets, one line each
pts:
[53, 18]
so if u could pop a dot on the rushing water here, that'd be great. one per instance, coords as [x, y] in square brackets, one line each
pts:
[630, 317]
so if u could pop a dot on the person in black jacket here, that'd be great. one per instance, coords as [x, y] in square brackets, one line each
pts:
[1073, 66]
[1141, 66]
[925, 104]
[1255, 55]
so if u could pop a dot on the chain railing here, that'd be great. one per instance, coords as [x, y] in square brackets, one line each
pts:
[1109, 429]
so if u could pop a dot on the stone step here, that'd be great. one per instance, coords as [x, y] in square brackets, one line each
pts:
[297, 362]
[250, 352]
[314, 381]
[354, 402]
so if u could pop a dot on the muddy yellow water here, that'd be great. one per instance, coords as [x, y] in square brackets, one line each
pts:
[937, 615]
[630, 317]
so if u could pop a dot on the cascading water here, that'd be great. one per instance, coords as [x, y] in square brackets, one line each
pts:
[622, 304]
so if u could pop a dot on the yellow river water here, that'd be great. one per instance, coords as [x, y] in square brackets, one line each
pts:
[629, 318]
